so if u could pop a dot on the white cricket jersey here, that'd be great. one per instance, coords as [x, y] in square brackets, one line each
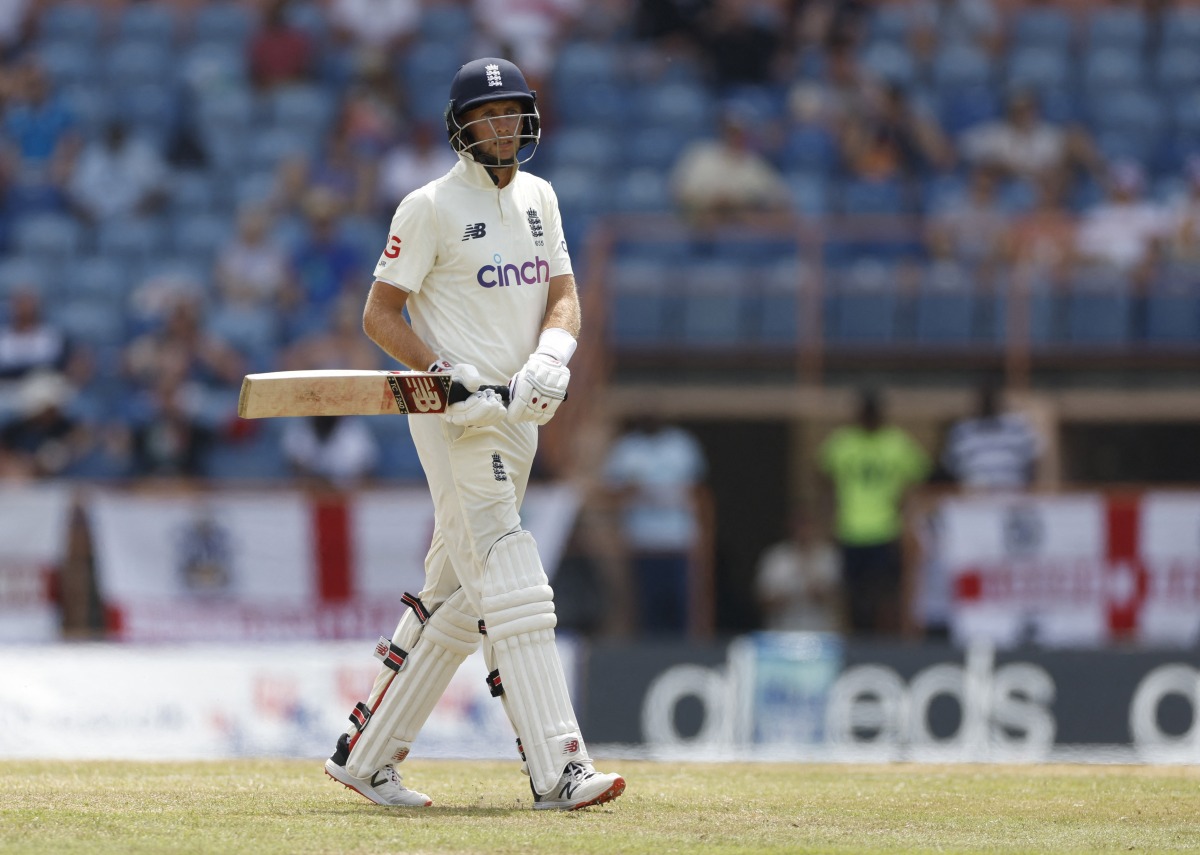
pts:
[477, 263]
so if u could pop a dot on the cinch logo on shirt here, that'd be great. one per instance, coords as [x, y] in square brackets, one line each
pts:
[528, 273]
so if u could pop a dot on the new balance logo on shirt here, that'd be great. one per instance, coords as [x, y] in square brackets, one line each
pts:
[475, 230]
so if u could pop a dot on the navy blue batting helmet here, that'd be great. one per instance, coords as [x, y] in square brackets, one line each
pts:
[491, 79]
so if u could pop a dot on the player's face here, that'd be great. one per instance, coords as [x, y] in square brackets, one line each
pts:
[494, 126]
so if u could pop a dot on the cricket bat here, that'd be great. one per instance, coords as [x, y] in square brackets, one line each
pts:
[349, 392]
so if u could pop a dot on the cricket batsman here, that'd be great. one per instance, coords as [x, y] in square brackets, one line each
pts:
[478, 261]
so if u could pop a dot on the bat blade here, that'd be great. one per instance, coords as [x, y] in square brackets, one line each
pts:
[343, 392]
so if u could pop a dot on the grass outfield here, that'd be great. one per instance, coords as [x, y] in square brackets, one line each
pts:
[289, 807]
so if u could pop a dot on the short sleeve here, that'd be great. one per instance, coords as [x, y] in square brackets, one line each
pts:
[411, 247]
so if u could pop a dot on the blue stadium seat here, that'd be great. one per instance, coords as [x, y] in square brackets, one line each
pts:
[888, 23]
[214, 68]
[258, 459]
[1109, 69]
[809, 148]
[1038, 68]
[638, 302]
[67, 63]
[581, 64]
[862, 196]
[643, 190]
[605, 104]
[77, 22]
[1043, 26]
[150, 111]
[105, 279]
[961, 65]
[149, 22]
[780, 304]
[92, 107]
[714, 303]
[1172, 307]
[255, 331]
[224, 21]
[305, 107]
[655, 147]
[960, 108]
[891, 62]
[128, 64]
[1180, 29]
[809, 192]
[861, 305]
[582, 191]
[270, 147]
[199, 237]
[132, 241]
[1126, 28]
[586, 147]
[49, 236]
[945, 306]
[683, 106]
[1099, 308]
[24, 272]
[195, 192]
[1177, 69]
[97, 322]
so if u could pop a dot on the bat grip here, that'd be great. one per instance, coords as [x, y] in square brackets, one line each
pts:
[458, 392]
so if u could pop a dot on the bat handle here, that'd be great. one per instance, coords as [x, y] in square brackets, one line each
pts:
[458, 392]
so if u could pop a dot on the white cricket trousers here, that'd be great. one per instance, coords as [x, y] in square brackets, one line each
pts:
[477, 477]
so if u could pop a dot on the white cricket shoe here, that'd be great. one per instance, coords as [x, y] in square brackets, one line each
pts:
[383, 787]
[580, 786]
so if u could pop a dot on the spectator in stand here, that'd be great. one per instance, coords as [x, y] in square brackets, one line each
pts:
[412, 162]
[373, 109]
[1043, 239]
[179, 341]
[725, 180]
[942, 22]
[743, 43]
[252, 267]
[1125, 232]
[798, 580]
[325, 264]
[888, 140]
[993, 449]
[1185, 216]
[375, 26]
[654, 473]
[342, 345]
[43, 440]
[280, 53]
[344, 173]
[28, 342]
[331, 452]
[39, 143]
[16, 26]
[871, 467]
[530, 32]
[1023, 145]
[972, 228]
[118, 176]
[168, 435]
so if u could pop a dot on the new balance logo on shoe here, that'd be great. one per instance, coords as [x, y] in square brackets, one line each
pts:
[379, 780]
[474, 230]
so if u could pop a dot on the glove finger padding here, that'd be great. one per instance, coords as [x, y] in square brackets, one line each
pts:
[480, 409]
[537, 389]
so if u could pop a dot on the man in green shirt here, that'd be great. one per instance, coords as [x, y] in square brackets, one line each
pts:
[871, 466]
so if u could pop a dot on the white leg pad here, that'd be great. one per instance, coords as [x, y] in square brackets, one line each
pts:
[518, 608]
[401, 701]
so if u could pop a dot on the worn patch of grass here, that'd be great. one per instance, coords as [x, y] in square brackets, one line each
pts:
[287, 807]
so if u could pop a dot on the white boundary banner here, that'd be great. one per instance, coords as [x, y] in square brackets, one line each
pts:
[202, 701]
[229, 565]
[1082, 570]
[34, 521]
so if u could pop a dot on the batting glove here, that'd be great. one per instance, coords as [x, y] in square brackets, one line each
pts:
[480, 409]
[541, 385]
[464, 374]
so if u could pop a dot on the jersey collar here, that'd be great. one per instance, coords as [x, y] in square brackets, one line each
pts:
[474, 174]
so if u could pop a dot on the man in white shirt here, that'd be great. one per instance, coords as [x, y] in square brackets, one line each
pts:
[478, 261]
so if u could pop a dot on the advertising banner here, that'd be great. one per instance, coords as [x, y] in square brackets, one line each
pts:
[228, 565]
[33, 539]
[782, 696]
[202, 701]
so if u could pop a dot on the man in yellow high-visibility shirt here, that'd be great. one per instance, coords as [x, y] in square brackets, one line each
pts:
[871, 466]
